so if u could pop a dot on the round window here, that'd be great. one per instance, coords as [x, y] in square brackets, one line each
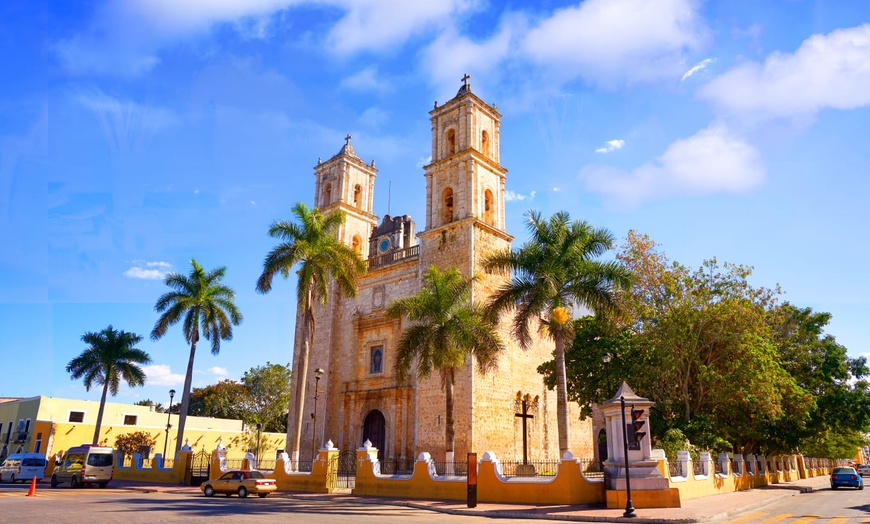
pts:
[384, 245]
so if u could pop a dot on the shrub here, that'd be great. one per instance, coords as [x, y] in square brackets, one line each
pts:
[129, 443]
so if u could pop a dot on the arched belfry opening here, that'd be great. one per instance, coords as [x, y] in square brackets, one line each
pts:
[375, 431]
[488, 208]
[484, 142]
[356, 245]
[357, 196]
[327, 195]
[447, 209]
[451, 141]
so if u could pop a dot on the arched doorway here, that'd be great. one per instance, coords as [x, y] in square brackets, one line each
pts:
[602, 447]
[375, 431]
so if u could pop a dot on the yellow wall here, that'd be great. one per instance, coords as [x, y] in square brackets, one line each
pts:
[320, 480]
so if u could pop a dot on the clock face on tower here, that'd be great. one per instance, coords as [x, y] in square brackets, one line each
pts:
[384, 245]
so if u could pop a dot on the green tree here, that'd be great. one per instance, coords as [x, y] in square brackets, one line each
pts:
[205, 305]
[554, 270]
[313, 247]
[447, 329]
[267, 396]
[225, 399]
[110, 358]
[129, 443]
[158, 407]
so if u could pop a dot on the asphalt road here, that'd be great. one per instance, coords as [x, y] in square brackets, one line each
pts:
[130, 507]
[843, 505]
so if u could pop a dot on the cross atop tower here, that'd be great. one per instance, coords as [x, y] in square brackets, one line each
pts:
[465, 78]
[347, 139]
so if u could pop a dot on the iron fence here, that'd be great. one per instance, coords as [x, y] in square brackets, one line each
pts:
[127, 462]
[265, 465]
[233, 463]
[696, 468]
[397, 466]
[591, 468]
[451, 469]
[675, 469]
[532, 468]
[718, 467]
[168, 463]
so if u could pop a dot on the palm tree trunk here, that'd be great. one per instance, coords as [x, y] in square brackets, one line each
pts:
[296, 435]
[449, 433]
[561, 396]
[185, 395]
[100, 412]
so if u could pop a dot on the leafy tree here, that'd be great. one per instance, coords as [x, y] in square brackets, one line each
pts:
[312, 245]
[267, 391]
[129, 443]
[225, 399]
[110, 358]
[158, 407]
[447, 329]
[554, 270]
[205, 305]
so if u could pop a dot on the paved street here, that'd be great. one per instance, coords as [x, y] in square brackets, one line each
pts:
[135, 503]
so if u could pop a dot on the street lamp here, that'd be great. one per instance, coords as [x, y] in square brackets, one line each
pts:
[168, 425]
[258, 446]
[606, 358]
[317, 374]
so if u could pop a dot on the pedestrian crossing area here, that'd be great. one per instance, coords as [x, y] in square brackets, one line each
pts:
[787, 518]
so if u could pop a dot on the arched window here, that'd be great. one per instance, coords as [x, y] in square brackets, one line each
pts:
[356, 245]
[327, 194]
[357, 195]
[377, 360]
[488, 208]
[447, 210]
[451, 141]
[484, 142]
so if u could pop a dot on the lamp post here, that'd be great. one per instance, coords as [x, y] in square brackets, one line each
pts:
[257, 465]
[317, 374]
[168, 425]
[606, 358]
[629, 508]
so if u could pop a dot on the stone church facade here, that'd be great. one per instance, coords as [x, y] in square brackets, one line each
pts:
[359, 397]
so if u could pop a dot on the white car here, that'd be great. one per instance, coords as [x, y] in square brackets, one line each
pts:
[864, 470]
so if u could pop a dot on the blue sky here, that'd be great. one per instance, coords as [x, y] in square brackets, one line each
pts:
[137, 134]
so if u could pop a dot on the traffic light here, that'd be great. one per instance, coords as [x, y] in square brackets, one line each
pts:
[638, 424]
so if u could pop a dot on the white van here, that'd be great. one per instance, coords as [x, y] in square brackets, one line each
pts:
[85, 464]
[23, 467]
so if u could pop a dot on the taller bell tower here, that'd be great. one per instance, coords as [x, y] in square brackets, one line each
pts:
[464, 185]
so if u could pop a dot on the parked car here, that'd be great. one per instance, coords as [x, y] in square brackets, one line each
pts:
[864, 470]
[83, 465]
[23, 467]
[241, 482]
[845, 476]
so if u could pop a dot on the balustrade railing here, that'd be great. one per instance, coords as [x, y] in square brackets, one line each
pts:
[391, 258]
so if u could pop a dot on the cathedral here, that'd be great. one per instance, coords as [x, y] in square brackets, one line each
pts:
[351, 390]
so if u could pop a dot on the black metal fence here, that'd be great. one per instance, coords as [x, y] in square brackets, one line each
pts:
[397, 466]
[674, 469]
[265, 465]
[451, 469]
[591, 468]
[532, 468]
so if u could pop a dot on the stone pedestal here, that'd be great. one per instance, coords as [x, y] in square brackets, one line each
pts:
[644, 474]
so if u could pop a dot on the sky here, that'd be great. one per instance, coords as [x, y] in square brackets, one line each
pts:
[136, 135]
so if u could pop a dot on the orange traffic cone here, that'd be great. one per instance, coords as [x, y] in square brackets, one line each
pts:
[32, 491]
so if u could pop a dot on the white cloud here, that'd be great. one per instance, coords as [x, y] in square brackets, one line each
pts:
[826, 71]
[712, 160]
[611, 145]
[148, 270]
[161, 375]
[126, 125]
[697, 67]
[367, 79]
[218, 371]
[512, 196]
[616, 41]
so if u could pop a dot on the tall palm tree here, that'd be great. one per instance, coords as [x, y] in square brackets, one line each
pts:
[553, 271]
[311, 244]
[109, 358]
[206, 306]
[447, 329]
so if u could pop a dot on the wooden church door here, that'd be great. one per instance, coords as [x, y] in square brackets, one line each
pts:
[375, 431]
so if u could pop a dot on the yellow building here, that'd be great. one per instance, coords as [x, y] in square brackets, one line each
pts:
[51, 425]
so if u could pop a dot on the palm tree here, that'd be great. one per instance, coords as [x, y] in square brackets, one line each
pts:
[205, 305]
[553, 271]
[448, 329]
[313, 245]
[109, 358]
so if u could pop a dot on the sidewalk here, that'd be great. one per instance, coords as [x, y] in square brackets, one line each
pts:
[715, 507]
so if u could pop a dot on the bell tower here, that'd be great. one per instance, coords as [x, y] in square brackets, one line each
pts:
[346, 182]
[464, 184]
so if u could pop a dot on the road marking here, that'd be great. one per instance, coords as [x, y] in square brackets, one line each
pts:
[806, 519]
[840, 519]
[744, 518]
[776, 518]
